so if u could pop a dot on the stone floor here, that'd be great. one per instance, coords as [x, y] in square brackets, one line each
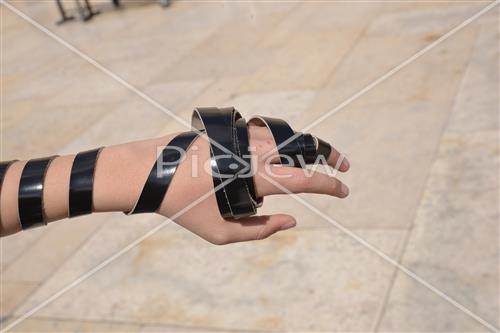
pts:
[423, 144]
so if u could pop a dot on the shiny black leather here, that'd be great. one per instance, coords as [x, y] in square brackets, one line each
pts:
[81, 182]
[162, 173]
[30, 196]
[233, 197]
[281, 132]
[309, 148]
[324, 148]
[243, 145]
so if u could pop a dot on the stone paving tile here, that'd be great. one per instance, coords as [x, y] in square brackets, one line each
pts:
[68, 325]
[435, 76]
[388, 118]
[289, 103]
[41, 93]
[308, 50]
[454, 244]
[305, 62]
[175, 94]
[12, 295]
[334, 17]
[17, 246]
[55, 325]
[199, 48]
[119, 232]
[417, 309]
[50, 128]
[123, 47]
[57, 243]
[219, 92]
[219, 56]
[132, 120]
[175, 278]
[423, 18]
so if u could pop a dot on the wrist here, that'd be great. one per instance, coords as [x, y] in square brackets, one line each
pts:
[121, 172]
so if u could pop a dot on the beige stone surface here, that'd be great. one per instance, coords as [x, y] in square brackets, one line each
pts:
[423, 146]
[454, 242]
[14, 293]
[172, 278]
[55, 325]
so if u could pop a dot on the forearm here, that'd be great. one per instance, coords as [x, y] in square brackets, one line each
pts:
[118, 179]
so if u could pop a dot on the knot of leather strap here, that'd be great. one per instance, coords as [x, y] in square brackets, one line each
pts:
[231, 165]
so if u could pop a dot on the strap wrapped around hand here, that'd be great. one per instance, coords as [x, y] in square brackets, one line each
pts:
[232, 194]
[162, 173]
[231, 163]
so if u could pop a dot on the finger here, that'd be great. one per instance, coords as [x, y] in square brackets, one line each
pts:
[266, 149]
[257, 227]
[338, 161]
[282, 180]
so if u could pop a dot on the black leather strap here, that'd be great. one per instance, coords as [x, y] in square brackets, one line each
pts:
[30, 197]
[233, 199]
[281, 132]
[324, 148]
[81, 182]
[309, 150]
[162, 173]
[243, 145]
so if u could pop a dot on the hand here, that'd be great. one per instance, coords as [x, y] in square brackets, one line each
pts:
[192, 199]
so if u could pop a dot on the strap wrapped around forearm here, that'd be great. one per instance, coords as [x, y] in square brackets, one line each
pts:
[30, 196]
[81, 182]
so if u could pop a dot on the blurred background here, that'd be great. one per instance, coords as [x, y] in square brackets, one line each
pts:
[423, 145]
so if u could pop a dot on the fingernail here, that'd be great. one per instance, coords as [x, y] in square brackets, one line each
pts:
[290, 224]
[345, 190]
[346, 163]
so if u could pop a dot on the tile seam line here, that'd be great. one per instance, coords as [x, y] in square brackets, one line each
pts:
[142, 325]
[452, 103]
[351, 49]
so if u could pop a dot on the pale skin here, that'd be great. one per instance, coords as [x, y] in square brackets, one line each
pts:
[122, 170]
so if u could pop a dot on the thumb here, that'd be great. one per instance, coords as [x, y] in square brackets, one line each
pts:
[260, 227]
